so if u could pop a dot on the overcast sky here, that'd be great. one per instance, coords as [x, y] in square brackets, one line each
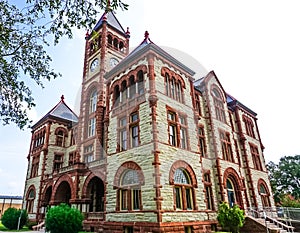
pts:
[253, 47]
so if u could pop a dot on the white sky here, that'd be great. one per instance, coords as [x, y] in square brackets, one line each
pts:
[253, 47]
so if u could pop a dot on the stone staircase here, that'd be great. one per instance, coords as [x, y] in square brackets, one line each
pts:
[269, 225]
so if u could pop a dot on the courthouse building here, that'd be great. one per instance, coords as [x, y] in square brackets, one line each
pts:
[152, 149]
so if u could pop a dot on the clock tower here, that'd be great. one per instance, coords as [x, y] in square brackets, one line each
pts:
[106, 45]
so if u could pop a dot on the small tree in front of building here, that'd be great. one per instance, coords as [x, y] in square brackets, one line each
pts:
[63, 219]
[231, 219]
[14, 218]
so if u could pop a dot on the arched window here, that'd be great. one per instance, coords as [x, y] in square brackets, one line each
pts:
[174, 84]
[109, 39]
[230, 192]
[131, 87]
[130, 190]
[264, 195]
[116, 95]
[183, 190]
[116, 43]
[124, 91]
[93, 102]
[121, 46]
[141, 85]
[219, 105]
[30, 200]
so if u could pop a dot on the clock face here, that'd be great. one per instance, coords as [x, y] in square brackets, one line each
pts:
[113, 62]
[94, 64]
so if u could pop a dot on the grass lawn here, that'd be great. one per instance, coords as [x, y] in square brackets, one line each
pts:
[3, 228]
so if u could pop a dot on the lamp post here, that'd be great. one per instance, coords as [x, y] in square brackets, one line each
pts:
[20, 220]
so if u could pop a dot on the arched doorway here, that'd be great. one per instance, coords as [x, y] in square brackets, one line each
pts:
[95, 192]
[63, 193]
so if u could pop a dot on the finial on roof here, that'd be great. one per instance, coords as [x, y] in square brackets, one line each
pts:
[62, 98]
[104, 16]
[127, 32]
[87, 34]
[146, 34]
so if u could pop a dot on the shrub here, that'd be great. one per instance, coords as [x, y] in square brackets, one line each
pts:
[31, 224]
[10, 218]
[231, 218]
[63, 219]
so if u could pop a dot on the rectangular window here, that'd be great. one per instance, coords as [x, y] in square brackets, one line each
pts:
[88, 153]
[183, 132]
[58, 162]
[177, 130]
[178, 197]
[201, 136]
[134, 129]
[136, 199]
[35, 166]
[172, 128]
[123, 133]
[92, 127]
[188, 195]
[208, 192]
[72, 157]
[124, 199]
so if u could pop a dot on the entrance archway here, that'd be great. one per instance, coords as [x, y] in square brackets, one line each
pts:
[95, 192]
[63, 193]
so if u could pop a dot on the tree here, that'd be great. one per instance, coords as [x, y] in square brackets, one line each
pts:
[10, 218]
[25, 33]
[230, 218]
[285, 177]
[63, 219]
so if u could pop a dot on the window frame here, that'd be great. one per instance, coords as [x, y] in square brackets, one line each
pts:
[129, 194]
[202, 141]
[183, 191]
[227, 152]
[257, 164]
[177, 129]
[58, 161]
[88, 153]
[218, 104]
[209, 197]
[30, 200]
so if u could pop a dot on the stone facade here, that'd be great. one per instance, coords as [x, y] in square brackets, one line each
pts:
[152, 150]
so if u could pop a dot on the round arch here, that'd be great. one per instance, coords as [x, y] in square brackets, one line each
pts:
[233, 186]
[182, 164]
[126, 166]
[264, 193]
[63, 190]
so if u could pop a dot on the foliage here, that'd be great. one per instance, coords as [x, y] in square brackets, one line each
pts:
[285, 177]
[230, 218]
[31, 224]
[63, 219]
[289, 201]
[25, 31]
[10, 218]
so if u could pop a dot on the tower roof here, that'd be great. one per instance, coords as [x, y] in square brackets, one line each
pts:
[111, 20]
[145, 46]
[60, 111]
